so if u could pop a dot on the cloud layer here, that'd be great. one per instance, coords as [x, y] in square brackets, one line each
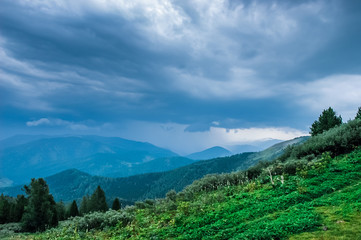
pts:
[242, 64]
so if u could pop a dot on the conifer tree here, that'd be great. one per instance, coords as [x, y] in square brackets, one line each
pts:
[40, 212]
[4, 209]
[73, 210]
[358, 115]
[116, 204]
[60, 208]
[19, 208]
[326, 121]
[98, 201]
[84, 205]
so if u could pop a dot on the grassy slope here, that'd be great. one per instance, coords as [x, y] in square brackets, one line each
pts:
[325, 195]
[318, 198]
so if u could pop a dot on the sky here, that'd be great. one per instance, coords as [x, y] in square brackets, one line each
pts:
[184, 75]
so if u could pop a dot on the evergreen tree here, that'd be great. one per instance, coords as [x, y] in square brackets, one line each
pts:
[116, 204]
[40, 211]
[60, 209]
[84, 208]
[4, 209]
[358, 115]
[326, 121]
[98, 201]
[171, 195]
[19, 208]
[73, 210]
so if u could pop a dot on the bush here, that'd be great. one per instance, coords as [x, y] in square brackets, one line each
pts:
[99, 220]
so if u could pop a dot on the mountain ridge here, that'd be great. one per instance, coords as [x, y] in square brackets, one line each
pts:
[44, 157]
[153, 185]
[210, 153]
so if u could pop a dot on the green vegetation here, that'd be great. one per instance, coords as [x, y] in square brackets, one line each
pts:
[307, 193]
[73, 210]
[116, 204]
[312, 191]
[40, 212]
[326, 121]
[358, 115]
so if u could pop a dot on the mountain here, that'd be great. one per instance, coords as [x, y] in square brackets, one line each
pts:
[113, 165]
[255, 147]
[47, 156]
[209, 153]
[151, 185]
[19, 139]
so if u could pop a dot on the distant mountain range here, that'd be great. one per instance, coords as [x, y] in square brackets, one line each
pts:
[37, 156]
[23, 157]
[151, 185]
[210, 153]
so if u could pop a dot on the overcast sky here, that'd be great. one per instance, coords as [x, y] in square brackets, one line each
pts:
[185, 75]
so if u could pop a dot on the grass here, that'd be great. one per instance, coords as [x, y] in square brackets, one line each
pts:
[322, 201]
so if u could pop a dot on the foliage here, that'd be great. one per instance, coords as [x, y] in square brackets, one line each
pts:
[9, 229]
[326, 121]
[84, 205]
[116, 204]
[338, 140]
[231, 206]
[4, 209]
[61, 212]
[40, 212]
[73, 210]
[358, 115]
[98, 201]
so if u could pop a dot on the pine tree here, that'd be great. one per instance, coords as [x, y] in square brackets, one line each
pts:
[73, 210]
[116, 204]
[19, 208]
[326, 121]
[4, 209]
[60, 209]
[358, 115]
[40, 212]
[84, 205]
[98, 201]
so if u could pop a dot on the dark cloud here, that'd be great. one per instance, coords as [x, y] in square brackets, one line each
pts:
[240, 64]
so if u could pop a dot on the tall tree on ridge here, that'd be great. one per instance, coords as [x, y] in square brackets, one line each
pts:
[98, 201]
[40, 213]
[326, 121]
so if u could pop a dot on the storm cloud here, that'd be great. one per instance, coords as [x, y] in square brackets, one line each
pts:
[102, 66]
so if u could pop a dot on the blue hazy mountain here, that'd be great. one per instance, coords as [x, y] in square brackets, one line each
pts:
[254, 147]
[151, 185]
[115, 165]
[213, 152]
[93, 154]
[19, 139]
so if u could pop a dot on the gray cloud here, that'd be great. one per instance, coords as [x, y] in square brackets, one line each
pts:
[241, 63]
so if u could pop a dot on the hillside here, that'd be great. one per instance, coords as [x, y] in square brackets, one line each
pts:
[93, 154]
[307, 193]
[152, 185]
[210, 153]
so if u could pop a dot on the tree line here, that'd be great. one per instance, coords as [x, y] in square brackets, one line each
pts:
[38, 210]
